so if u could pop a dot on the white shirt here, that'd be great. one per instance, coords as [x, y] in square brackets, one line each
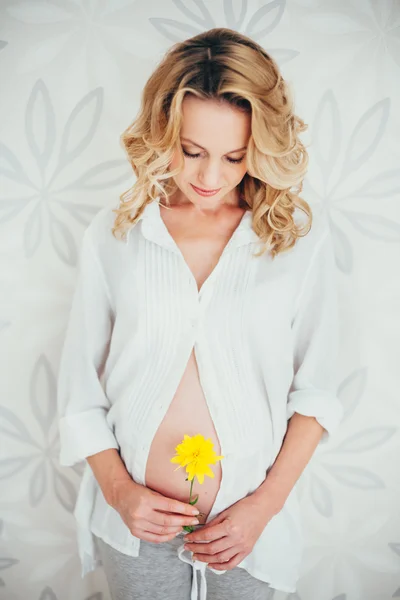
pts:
[265, 337]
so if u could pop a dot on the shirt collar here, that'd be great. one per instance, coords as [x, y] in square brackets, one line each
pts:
[153, 228]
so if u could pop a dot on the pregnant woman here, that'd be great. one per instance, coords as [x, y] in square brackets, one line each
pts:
[205, 303]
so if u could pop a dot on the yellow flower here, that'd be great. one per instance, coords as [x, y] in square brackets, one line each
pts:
[196, 453]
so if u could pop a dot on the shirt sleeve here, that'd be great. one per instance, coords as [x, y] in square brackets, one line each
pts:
[81, 401]
[315, 342]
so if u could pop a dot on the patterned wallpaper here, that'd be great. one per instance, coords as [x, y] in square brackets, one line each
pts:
[72, 73]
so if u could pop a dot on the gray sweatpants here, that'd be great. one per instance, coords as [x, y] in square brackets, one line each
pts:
[158, 574]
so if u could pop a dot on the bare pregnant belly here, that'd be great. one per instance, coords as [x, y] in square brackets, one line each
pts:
[188, 413]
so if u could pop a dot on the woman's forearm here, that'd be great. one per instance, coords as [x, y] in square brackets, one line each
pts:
[301, 440]
[109, 470]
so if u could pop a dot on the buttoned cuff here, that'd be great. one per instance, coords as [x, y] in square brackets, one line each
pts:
[325, 407]
[83, 434]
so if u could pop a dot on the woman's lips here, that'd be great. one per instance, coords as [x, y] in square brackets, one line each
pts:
[204, 192]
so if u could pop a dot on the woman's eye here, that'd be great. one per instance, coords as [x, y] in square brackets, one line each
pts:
[190, 155]
[231, 160]
[236, 160]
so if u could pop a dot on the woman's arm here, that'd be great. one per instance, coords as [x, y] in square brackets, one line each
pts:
[313, 409]
[81, 401]
[110, 471]
[302, 437]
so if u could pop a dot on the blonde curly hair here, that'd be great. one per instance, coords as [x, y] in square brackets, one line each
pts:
[224, 65]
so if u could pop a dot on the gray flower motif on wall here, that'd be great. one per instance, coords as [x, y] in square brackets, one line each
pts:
[46, 198]
[327, 149]
[365, 441]
[40, 463]
[5, 561]
[47, 549]
[197, 18]
[353, 551]
[396, 549]
[48, 594]
[380, 25]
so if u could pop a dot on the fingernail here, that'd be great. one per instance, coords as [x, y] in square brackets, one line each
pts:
[194, 522]
[196, 512]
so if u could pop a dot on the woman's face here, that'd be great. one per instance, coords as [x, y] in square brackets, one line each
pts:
[216, 136]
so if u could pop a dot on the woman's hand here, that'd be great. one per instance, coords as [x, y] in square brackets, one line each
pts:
[226, 540]
[148, 513]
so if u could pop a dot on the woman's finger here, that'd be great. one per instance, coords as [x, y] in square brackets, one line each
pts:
[211, 548]
[230, 564]
[208, 533]
[161, 529]
[166, 520]
[170, 505]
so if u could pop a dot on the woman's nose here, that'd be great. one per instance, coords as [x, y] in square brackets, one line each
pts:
[210, 176]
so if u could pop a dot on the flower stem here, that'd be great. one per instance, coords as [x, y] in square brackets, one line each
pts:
[189, 528]
[191, 488]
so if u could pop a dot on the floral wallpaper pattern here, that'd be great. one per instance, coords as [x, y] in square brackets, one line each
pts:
[73, 71]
